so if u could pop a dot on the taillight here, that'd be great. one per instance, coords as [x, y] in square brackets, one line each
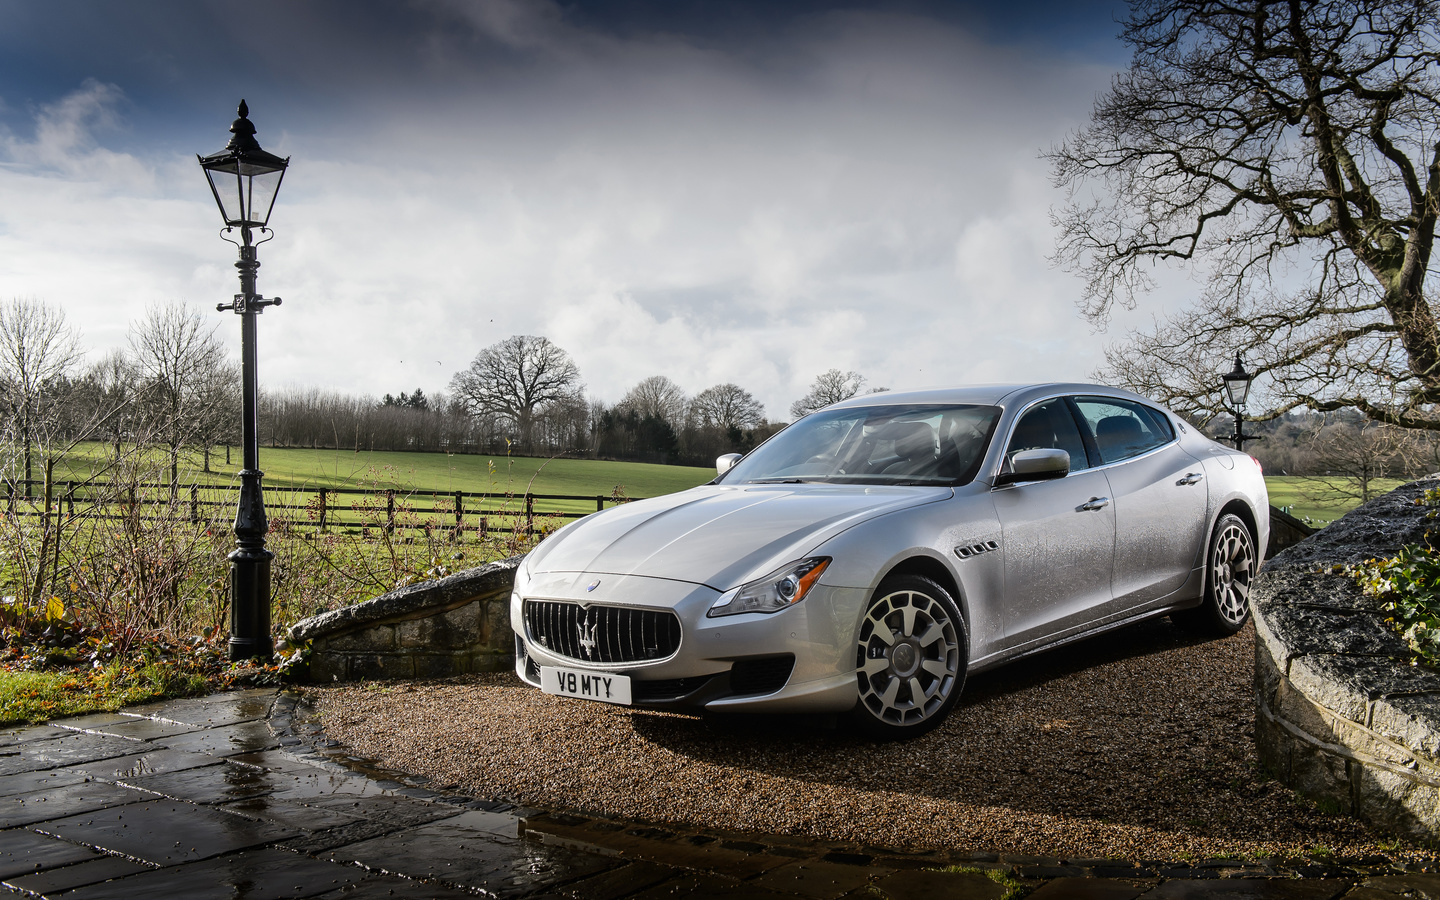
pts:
[1257, 463]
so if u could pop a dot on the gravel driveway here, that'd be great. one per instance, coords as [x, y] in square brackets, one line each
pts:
[1138, 745]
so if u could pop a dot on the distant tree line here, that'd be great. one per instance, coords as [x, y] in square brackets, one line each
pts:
[173, 387]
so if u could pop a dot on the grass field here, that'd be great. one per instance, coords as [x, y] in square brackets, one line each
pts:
[302, 468]
[1300, 495]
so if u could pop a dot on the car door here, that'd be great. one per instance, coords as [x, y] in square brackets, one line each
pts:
[1058, 535]
[1160, 497]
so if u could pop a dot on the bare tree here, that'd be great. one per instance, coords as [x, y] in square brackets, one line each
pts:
[511, 380]
[830, 387]
[1352, 458]
[727, 406]
[1289, 150]
[658, 397]
[107, 395]
[38, 349]
[218, 413]
[182, 366]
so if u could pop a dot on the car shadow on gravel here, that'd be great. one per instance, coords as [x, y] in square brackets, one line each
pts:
[1154, 636]
[1146, 728]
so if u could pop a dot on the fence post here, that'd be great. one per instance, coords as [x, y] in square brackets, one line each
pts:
[459, 513]
[599, 502]
[70, 498]
[484, 527]
[194, 504]
[529, 514]
[323, 507]
[389, 512]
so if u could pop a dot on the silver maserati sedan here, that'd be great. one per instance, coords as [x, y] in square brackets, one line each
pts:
[871, 555]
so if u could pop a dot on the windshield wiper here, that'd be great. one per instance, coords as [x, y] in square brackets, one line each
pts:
[781, 481]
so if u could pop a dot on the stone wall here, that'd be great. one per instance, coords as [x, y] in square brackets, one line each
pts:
[1341, 714]
[455, 625]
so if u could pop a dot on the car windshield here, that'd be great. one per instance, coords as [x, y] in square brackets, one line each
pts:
[910, 444]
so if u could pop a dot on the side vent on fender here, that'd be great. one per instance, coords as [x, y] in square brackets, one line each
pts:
[976, 549]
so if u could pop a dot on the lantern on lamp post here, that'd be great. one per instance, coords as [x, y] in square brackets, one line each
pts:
[245, 180]
[1237, 389]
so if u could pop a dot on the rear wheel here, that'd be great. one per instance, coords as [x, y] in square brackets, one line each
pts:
[911, 658]
[1230, 566]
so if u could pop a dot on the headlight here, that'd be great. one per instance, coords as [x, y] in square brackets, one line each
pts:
[780, 589]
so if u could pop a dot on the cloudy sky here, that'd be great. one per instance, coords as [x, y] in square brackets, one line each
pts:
[713, 191]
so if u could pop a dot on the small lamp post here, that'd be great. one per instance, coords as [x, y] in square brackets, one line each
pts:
[1237, 388]
[245, 180]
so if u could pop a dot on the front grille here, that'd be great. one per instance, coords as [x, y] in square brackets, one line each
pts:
[602, 634]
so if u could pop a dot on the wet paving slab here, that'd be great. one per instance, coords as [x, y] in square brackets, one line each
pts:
[242, 795]
[55, 881]
[54, 802]
[225, 740]
[152, 762]
[165, 832]
[24, 852]
[11, 738]
[67, 749]
[454, 853]
[254, 875]
[25, 782]
[220, 783]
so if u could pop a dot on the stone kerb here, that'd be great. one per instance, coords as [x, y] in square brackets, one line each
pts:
[450, 626]
[1341, 714]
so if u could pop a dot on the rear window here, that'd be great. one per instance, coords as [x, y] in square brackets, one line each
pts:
[1122, 428]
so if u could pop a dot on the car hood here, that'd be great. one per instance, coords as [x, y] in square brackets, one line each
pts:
[718, 535]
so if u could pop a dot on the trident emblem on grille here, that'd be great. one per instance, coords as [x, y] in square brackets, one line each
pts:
[587, 633]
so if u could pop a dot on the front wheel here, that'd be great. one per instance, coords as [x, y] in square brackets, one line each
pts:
[910, 660]
[1230, 567]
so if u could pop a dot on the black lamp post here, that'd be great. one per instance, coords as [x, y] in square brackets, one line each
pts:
[1237, 388]
[245, 180]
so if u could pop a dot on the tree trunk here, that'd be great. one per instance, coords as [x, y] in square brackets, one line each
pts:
[25, 439]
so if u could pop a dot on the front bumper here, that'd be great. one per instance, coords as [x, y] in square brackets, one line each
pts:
[798, 660]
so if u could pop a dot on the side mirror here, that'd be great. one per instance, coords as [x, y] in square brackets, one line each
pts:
[725, 463]
[1034, 465]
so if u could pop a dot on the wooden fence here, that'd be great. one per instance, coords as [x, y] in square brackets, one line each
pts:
[456, 513]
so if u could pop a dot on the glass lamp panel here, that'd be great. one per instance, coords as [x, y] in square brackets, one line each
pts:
[263, 186]
[1238, 387]
[226, 186]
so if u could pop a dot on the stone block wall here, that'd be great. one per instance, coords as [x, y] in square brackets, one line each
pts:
[451, 626]
[1341, 714]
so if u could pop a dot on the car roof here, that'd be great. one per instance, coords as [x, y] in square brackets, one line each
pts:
[986, 394]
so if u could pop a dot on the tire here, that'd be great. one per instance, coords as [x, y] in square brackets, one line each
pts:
[1230, 567]
[903, 693]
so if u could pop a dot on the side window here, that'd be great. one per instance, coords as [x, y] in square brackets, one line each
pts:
[1049, 426]
[1122, 428]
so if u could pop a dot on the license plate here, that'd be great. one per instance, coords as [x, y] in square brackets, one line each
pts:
[600, 686]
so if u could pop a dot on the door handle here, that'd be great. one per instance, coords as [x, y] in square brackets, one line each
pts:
[1095, 503]
[1190, 478]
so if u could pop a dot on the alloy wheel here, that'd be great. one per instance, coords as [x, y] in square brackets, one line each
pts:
[1232, 569]
[908, 657]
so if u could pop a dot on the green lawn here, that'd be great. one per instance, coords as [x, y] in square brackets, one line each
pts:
[423, 484]
[1304, 496]
[292, 467]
